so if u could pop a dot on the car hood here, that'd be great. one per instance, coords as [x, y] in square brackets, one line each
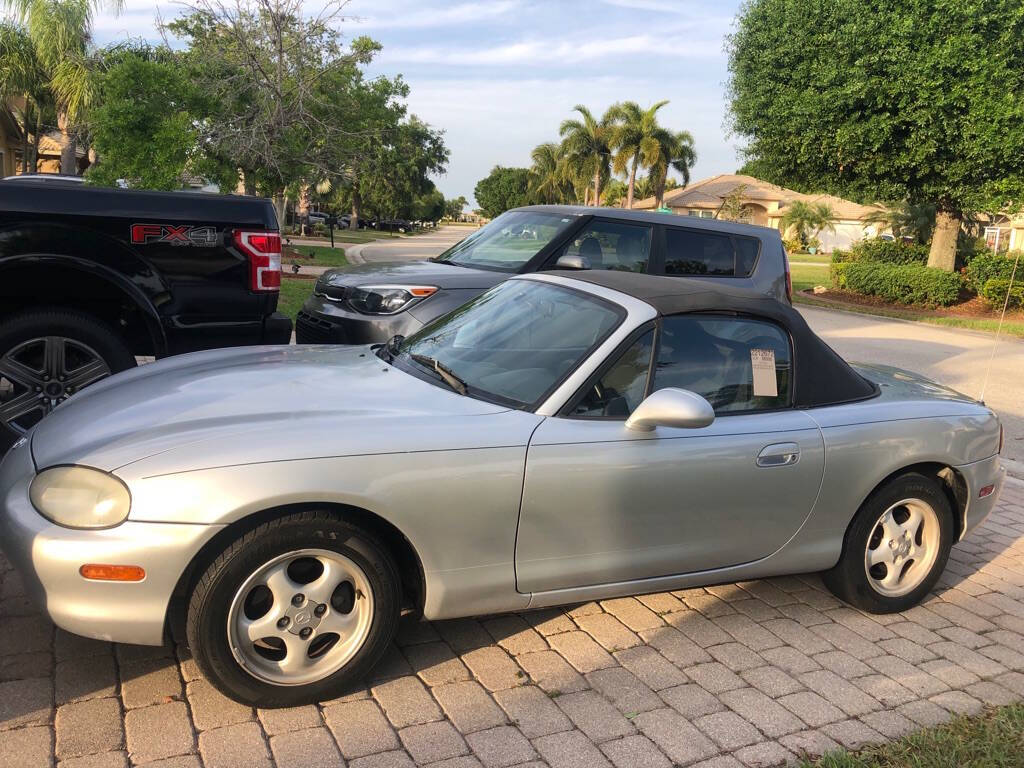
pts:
[441, 274]
[253, 404]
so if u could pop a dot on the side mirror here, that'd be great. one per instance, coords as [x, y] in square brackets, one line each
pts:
[671, 407]
[572, 262]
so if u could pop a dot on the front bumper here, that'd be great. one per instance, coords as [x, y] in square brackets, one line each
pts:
[976, 476]
[321, 321]
[49, 557]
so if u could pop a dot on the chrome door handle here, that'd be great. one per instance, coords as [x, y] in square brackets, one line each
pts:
[779, 455]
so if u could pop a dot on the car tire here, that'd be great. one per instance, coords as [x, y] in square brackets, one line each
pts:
[257, 588]
[896, 547]
[24, 340]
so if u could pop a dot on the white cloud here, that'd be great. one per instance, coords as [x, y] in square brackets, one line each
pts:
[463, 13]
[544, 52]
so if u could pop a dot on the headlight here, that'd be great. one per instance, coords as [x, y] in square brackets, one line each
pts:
[80, 497]
[386, 299]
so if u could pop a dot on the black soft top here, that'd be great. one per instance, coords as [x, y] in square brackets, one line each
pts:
[822, 377]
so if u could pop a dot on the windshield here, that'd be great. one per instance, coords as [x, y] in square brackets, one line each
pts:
[508, 242]
[514, 343]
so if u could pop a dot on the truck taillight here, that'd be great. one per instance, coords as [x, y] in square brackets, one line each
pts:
[263, 250]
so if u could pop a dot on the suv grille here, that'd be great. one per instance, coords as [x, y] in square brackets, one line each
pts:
[311, 330]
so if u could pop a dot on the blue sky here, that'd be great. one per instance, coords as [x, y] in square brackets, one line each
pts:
[499, 75]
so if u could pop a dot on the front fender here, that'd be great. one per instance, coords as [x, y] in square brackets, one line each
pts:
[458, 509]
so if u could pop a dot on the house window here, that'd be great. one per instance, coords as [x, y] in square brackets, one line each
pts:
[701, 214]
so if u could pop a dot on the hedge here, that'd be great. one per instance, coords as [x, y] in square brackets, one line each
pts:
[885, 251]
[994, 292]
[902, 283]
[987, 266]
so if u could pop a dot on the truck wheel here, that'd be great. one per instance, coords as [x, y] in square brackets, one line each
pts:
[896, 547]
[295, 611]
[47, 355]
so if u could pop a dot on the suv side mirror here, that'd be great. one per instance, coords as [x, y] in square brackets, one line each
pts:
[572, 262]
[671, 407]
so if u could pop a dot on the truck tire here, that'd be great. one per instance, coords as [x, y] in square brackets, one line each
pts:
[46, 355]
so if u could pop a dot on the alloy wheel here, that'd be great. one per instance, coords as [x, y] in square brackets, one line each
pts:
[902, 547]
[300, 617]
[38, 374]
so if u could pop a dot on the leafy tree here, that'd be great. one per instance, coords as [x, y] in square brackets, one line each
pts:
[453, 208]
[503, 188]
[732, 208]
[144, 126]
[615, 192]
[636, 139]
[61, 33]
[587, 146]
[910, 99]
[807, 220]
[281, 89]
[429, 206]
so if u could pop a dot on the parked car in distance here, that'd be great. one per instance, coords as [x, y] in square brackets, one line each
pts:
[370, 303]
[564, 437]
[91, 277]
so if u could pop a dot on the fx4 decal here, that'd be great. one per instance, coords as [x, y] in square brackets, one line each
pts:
[173, 234]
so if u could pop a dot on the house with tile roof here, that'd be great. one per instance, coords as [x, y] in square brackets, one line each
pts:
[765, 205]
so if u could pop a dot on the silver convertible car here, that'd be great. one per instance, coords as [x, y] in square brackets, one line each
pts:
[563, 437]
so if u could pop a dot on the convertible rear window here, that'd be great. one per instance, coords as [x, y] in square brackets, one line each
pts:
[514, 344]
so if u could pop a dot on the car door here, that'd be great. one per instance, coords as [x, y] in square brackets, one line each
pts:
[603, 503]
[624, 246]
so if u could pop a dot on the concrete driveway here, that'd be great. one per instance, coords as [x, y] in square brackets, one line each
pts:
[424, 246]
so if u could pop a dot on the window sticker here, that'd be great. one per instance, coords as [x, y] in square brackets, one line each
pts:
[763, 363]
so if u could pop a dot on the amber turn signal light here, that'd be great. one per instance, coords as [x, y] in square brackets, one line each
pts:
[98, 572]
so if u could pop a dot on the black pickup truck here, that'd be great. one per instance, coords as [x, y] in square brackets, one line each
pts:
[91, 278]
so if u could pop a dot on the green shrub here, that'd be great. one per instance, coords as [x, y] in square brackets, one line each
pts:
[901, 283]
[837, 271]
[887, 251]
[986, 266]
[792, 245]
[994, 292]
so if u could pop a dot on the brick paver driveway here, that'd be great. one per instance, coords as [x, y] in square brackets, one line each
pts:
[742, 674]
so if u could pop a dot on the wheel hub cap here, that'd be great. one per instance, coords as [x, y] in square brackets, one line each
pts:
[300, 617]
[902, 548]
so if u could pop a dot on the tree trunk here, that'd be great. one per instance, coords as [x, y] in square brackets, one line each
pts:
[597, 187]
[24, 149]
[632, 184]
[357, 204]
[36, 138]
[280, 206]
[943, 252]
[68, 164]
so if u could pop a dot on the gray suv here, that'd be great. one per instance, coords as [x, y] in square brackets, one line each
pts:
[370, 303]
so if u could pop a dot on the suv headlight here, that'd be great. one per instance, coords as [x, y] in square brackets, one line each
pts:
[80, 497]
[386, 299]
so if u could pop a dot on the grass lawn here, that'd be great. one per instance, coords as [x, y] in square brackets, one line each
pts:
[808, 276]
[817, 258]
[323, 256]
[294, 292]
[992, 740]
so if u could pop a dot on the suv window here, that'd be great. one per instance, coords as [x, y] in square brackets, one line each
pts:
[738, 364]
[696, 252]
[612, 245]
[622, 386]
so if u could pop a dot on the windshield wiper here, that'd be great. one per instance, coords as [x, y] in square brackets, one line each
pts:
[443, 371]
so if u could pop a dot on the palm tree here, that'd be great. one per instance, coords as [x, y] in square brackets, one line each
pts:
[61, 33]
[23, 84]
[644, 187]
[634, 137]
[905, 219]
[807, 220]
[547, 174]
[669, 151]
[586, 144]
